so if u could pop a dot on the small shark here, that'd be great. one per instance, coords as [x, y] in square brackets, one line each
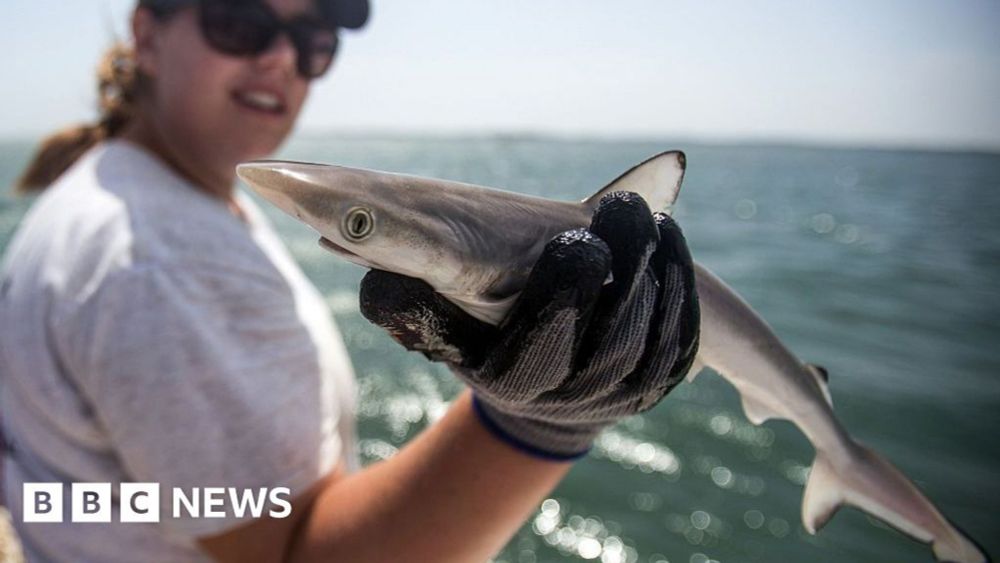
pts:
[476, 247]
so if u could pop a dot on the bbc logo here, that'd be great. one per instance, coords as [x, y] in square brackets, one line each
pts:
[140, 502]
[91, 502]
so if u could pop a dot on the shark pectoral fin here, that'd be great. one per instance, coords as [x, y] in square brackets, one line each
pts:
[822, 378]
[823, 495]
[657, 180]
[755, 411]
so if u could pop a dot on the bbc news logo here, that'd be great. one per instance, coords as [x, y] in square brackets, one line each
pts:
[140, 502]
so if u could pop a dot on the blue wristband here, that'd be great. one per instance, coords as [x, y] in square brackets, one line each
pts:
[517, 444]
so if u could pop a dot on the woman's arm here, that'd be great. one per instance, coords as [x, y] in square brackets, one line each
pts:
[453, 494]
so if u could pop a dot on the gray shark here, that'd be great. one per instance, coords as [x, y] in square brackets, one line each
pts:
[476, 247]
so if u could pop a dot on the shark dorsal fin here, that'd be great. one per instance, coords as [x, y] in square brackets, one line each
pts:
[657, 180]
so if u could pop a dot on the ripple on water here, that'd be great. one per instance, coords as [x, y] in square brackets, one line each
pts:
[726, 478]
[699, 528]
[778, 527]
[645, 502]
[631, 453]
[745, 209]
[376, 450]
[724, 425]
[722, 477]
[588, 538]
[754, 519]
[795, 472]
[401, 412]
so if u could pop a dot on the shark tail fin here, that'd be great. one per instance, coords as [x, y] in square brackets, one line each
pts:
[869, 482]
[657, 179]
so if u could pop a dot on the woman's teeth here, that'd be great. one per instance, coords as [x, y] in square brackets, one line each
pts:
[264, 101]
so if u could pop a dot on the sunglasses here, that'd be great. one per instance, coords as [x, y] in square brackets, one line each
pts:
[249, 28]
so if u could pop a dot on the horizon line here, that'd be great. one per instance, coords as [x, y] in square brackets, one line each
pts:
[789, 141]
[520, 135]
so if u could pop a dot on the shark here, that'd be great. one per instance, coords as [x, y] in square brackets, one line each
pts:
[477, 245]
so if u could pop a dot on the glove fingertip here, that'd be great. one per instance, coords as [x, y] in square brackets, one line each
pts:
[623, 220]
[672, 247]
[576, 254]
[569, 273]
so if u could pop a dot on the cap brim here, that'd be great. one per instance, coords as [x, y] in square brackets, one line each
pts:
[351, 14]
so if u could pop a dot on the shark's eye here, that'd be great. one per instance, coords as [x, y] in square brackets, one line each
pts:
[358, 224]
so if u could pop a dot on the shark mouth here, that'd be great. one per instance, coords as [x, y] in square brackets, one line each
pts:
[344, 253]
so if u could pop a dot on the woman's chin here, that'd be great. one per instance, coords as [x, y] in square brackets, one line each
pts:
[262, 149]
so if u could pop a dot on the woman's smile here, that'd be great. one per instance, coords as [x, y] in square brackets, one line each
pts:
[261, 101]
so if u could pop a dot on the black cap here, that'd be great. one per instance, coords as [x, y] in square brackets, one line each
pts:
[351, 14]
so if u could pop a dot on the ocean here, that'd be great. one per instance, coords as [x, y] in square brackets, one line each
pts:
[880, 265]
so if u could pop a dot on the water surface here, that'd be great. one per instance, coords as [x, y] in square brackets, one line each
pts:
[880, 265]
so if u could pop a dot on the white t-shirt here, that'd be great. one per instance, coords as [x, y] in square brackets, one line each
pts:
[149, 335]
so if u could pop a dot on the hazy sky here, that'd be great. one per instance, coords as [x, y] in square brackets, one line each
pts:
[915, 72]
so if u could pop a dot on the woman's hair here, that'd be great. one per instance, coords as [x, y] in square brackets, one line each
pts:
[117, 88]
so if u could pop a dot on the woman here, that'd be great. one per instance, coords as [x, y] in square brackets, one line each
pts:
[155, 329]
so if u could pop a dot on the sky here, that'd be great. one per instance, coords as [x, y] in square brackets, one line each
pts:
[865, 72]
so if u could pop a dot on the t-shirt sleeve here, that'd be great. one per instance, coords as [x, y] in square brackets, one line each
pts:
[203, 377]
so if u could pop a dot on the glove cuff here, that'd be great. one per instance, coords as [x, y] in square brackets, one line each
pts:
[537, 438]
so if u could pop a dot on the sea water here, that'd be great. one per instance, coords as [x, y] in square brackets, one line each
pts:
[880, 265]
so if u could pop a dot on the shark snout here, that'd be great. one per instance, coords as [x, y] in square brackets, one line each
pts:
[263, 176]
[272, 181]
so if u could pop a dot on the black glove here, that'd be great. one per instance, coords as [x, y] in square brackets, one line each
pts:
[574, 354]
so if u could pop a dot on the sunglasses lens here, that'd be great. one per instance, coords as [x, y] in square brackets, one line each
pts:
[316, 47]
[238, 28]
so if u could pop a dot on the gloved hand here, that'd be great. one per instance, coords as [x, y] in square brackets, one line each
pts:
[574, 354]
